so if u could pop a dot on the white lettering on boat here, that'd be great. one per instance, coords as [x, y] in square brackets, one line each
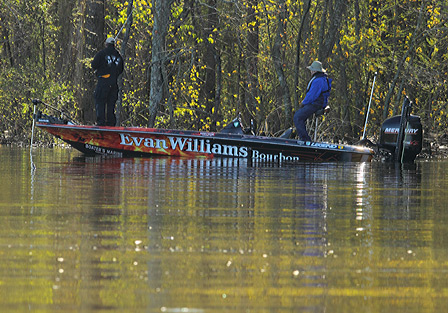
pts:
[177, 142]
[137, 140]
[149, 143]
[160, 143]
[125, 140]
[323, 145]
[258, 156]
[395, 130]
[103, 151]
[185, 144]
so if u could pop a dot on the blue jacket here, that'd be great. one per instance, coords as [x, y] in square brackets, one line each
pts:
[318, 90]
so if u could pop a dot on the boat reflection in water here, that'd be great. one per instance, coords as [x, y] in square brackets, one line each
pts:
[219, 228]
[223, 235]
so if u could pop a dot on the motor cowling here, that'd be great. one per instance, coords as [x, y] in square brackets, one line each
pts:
[413, 137]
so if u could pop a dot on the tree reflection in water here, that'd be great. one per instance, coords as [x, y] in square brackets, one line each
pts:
[220, 235]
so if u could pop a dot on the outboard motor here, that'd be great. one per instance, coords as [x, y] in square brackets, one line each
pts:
[402, 136]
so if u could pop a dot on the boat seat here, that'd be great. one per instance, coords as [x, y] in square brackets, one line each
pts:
[287, 133]
[322, 111]
[318, 114]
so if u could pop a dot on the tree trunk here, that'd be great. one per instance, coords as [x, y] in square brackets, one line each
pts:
[358, 88]
[329, 39]
[323, 26]
[89, 40]
[65, 36]
[7, 45]
[304, 19]
[278, 63]
[44, 50]
[162, 12]
[123, 55]
[344, 109]
[218, 92]
[210, 58]
[252, 86]
[402, 61]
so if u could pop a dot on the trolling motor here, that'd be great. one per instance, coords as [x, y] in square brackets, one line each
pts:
[401, 137]
[40, 117]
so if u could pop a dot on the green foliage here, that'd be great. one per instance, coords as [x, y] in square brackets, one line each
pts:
[209, 54]
[17, 89]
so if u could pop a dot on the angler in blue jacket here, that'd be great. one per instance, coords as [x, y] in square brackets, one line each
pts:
[316, 98]
[108, 65]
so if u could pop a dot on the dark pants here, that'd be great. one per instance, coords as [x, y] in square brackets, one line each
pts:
[106, 94]
[300, 118]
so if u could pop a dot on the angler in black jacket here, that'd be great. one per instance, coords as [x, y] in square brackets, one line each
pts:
[108, 65]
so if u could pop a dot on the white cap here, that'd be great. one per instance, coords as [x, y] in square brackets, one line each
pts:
[110, 40]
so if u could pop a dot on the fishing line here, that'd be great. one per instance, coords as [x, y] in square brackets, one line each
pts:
[64, 116]
[33, 167]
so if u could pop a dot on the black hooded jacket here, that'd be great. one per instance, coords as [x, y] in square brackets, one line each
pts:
[108, 63]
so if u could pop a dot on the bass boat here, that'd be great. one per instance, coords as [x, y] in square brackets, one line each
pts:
[232, 142]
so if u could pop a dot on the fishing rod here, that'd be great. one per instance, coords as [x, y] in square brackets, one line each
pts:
[368, 108]
[124, 24]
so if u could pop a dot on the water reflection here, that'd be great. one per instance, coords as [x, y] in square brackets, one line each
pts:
[401, 190]
[220, 235]
[260, 216]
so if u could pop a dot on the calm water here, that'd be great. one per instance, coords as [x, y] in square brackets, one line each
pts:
[176, 235]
